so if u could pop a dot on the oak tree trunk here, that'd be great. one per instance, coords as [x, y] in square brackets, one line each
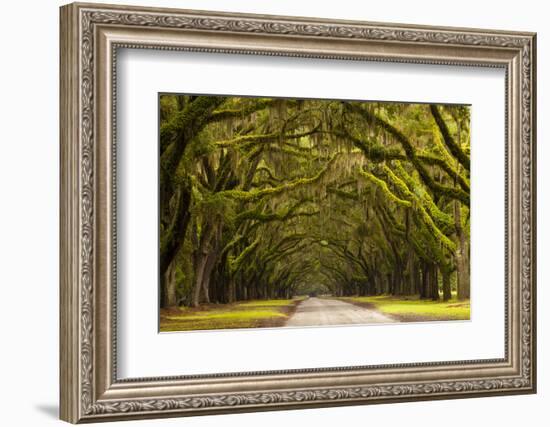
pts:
[168, 295]
[462, 258]
[446, 276]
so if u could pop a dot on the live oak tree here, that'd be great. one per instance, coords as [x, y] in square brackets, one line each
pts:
[270, 198]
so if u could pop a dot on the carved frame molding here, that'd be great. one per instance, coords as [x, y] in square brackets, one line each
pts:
[90, 37]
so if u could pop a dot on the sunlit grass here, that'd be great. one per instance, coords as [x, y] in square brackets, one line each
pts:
[227, 315]
[267, 303]
[250, 314]
[417, 309]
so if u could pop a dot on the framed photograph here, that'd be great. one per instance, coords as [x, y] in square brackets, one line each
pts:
[265, 213]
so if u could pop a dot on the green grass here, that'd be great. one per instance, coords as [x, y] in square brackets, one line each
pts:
[227, 315]
[415, 309]
[267, 303]
[249, 314]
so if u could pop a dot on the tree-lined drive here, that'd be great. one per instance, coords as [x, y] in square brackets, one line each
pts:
[269, 206]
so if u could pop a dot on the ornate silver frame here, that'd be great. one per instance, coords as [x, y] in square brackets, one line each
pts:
[90, 36]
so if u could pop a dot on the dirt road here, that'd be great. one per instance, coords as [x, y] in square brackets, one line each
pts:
[323, 311]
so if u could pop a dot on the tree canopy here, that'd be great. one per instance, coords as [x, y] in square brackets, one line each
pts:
[271, 198]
